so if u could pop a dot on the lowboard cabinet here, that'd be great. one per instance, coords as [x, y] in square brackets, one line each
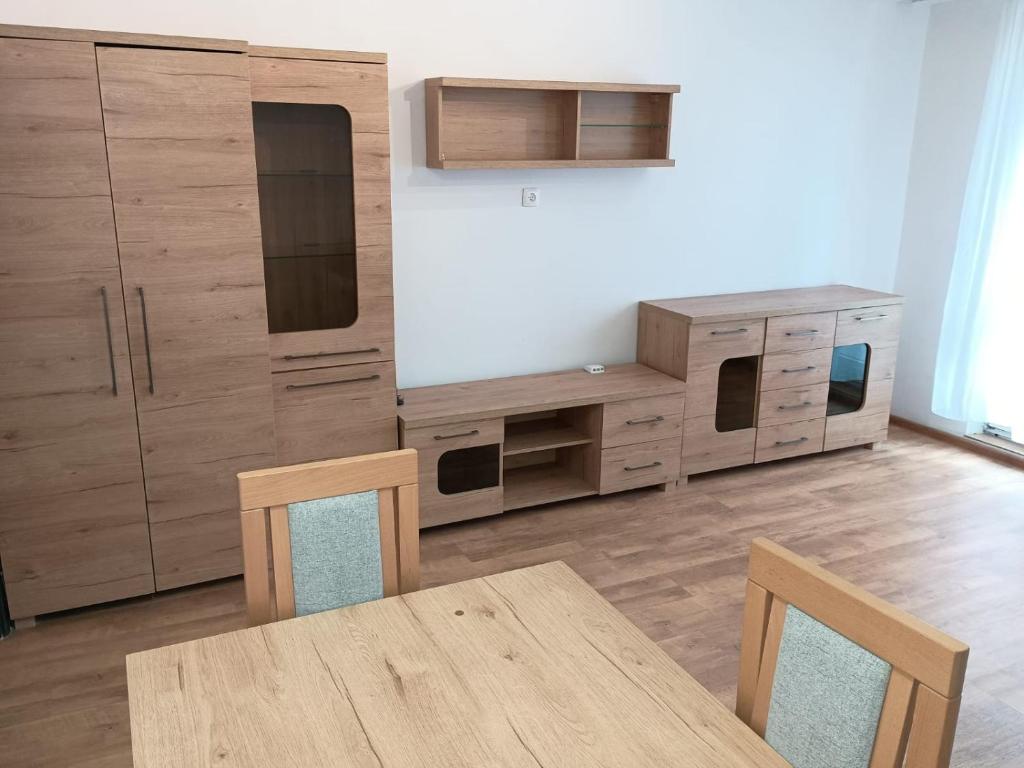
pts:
[494, 446]
[195, 280]
[775, 374]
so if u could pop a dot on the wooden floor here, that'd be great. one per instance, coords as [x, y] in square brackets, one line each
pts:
[935, 530]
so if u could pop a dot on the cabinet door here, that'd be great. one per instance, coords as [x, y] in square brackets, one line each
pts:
[325, 196]
[73, 525]
[182, 171]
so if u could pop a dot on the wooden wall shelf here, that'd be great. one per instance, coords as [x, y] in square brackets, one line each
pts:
[483, 123]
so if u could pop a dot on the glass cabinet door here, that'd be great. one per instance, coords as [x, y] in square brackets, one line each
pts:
[848, 380]
[307, 214]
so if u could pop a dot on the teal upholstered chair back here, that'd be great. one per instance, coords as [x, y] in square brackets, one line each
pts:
[342, 532]
[833, 677]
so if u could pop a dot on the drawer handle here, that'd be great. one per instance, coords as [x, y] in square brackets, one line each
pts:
[781, 443]
[866, 318]
[729, 333]
[332, 354]
[371, 377]
[803, 333]
[800, 370]
[460, 434]
[643, 466]
[648, 420]
[792, 407]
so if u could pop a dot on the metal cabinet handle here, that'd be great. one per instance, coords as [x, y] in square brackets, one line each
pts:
[371, 377]
[866, 318]
[780, 443]
[460, 434]
[803, 333]
[799, 405]
[333, 354]
[145, 337]
[800, 370]
[110, 341]
[648, 420]
[729, 333]
[643, 466]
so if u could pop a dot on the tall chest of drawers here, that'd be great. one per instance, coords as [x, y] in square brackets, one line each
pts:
[775, 374]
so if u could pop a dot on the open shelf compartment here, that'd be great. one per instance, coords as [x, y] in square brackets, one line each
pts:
[480, 123]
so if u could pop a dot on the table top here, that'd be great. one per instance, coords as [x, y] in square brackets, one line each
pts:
[447, 403]
[789, 301]
[525, 668]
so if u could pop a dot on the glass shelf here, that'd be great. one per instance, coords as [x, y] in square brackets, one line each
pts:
[304, 174]
[623, 125]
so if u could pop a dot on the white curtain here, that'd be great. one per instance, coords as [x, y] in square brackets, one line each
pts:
[980, 363]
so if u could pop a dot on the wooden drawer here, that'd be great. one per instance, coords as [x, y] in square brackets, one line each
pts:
[331, 413]
[785, 440]
[636, 466]
[638, 421]
[302, 351]
[711, 343]
[874, 326]
[706, 449]
[792, 333]
[432, 443]
[795, 369]
[782, 406]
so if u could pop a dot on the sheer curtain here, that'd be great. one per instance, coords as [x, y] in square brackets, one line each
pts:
[980, 365]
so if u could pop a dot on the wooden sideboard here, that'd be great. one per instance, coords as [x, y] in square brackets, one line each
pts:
[775, 374]
[487, 447]
[239, 314]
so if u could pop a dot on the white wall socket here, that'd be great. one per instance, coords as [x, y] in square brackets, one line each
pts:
[531, 197]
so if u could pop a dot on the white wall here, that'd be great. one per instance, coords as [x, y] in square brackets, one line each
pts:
[958, 56]
[792, 138]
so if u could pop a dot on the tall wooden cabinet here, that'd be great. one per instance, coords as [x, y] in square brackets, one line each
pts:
[159, 194]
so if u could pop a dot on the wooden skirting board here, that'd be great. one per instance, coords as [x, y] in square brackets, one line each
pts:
[962, 441]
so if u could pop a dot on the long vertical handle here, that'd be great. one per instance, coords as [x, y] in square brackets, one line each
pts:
[145, 336]
[110, 340]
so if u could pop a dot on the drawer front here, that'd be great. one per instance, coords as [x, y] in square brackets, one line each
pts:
[785, 440]
[782, 406]
[793, 333]
[636, 466]
[711, 343]
[331, 413]
[874, 326]
[795, 369]
[642, 420]
[706, 449]
[432, 443]
[287, 354]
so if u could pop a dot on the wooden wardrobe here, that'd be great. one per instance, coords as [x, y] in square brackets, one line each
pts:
[143, 230]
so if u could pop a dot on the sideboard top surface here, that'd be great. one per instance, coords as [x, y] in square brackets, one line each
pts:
[790, 301]
[448, 403]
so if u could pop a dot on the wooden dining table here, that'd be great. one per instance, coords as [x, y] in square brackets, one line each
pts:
[525, 668]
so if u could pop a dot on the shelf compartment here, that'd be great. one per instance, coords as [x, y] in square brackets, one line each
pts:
[541, 434]
[541, 484]
[479, 123]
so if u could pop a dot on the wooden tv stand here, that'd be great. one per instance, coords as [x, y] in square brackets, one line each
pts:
[487, 447]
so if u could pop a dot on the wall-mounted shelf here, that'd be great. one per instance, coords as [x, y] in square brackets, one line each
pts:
[482, 123]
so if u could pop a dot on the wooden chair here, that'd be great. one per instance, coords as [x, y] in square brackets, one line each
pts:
[830, 674]
[341, 532]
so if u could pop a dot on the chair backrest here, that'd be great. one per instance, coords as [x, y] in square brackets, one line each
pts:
[341, 532]
[831, 675]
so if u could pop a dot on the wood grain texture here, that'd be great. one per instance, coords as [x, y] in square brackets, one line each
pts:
[795, 369]
[640, 465]
[73, 526]
[792, 333]
[791, 301]
[426, 406]
[890, 745]
[637, 421]
[318, 54]
[331, 413]
[706, 449]
[141, 40]
[877, 326]
[523, 668]
[756, 614]
[783, 406]
[546, 85]
[179, 142]
[923, 524]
